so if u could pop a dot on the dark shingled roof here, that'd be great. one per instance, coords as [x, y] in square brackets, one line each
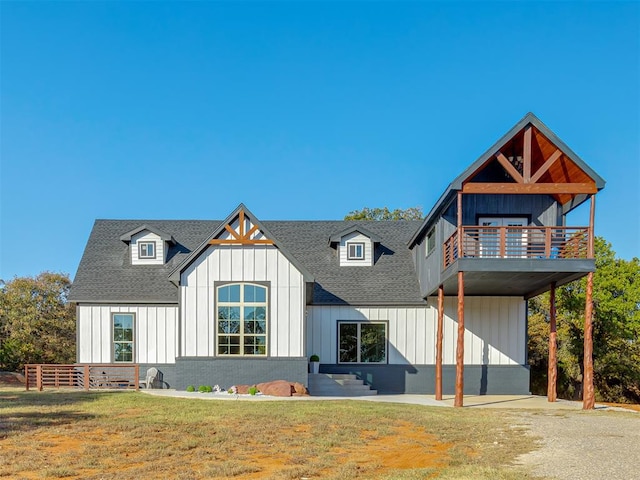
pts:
[105, 273]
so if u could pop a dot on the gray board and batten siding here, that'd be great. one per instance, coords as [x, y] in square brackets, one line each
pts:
[540, 210]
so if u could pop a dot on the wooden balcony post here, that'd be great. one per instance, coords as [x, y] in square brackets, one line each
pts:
[503, 242]
[552, 373]
[439, 343]
[39, 377]
[460, 344]
[547, 242]
[86, 377]
[460, 253]
[590, 241]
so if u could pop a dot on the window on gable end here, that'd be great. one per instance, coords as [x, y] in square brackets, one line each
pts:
[355, 251]
[147, 250]
[242, 321]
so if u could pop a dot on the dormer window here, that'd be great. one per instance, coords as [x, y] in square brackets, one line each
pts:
[148, 245]
[147, 250]
[356, 246]
[355, 251]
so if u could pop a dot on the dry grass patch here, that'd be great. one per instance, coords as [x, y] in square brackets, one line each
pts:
[128, 435]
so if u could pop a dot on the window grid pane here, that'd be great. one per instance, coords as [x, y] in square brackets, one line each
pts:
[242, 320]
[123, 337]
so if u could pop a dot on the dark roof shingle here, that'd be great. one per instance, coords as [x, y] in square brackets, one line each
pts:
[105, 273]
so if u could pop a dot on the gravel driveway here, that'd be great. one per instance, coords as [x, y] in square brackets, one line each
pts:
[581, 445]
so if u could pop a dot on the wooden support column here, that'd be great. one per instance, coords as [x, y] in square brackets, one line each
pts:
[552, 373]
[439, 343]
[460, 344]
[588, 393]
[460, 253]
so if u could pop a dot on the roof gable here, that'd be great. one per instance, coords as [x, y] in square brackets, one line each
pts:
[241, 227]
[532, 159]
[336, 237]
[163, 235]
[528, 159]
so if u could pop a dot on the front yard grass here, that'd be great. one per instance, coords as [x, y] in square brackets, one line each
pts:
[129, 435]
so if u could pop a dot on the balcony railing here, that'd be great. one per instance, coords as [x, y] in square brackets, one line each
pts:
[517, 242]
[82, 376]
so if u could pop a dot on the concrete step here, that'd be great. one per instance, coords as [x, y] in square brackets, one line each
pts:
[338, 385]
[350, 381]
[341, 376]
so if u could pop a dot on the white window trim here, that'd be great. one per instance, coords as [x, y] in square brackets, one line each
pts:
[354, 257]
[132, 341]
[241, 334]
[147, 257]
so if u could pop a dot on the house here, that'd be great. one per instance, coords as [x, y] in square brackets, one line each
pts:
[408, 306]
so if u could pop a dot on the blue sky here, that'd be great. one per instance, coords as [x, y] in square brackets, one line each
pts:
[300, 110]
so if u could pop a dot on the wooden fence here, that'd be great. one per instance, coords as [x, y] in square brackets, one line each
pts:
[82, 376]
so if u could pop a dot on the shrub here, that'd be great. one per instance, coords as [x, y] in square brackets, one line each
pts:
[191, 388]
[253, 390]
[314, 358]
[205, 389]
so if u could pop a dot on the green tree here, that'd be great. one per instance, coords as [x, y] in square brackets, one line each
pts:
[37, 323]
[616, 330]
[413, 213]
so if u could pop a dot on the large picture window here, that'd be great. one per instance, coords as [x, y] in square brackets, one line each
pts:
[362, 342]
[123, 328]
[242, 319]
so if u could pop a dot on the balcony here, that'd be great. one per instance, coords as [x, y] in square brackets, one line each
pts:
[517, 242]
[512, 260]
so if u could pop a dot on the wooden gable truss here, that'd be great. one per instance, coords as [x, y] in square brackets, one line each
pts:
[241, 235]
[531, 164]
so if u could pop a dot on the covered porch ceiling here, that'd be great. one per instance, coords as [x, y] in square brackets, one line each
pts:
[512, 277]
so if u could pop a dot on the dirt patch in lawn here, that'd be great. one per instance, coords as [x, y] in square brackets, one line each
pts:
[405, 448]
[402, 447]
